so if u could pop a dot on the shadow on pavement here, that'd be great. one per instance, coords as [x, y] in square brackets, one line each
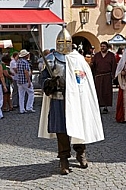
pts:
[113, 148]
[29, 172]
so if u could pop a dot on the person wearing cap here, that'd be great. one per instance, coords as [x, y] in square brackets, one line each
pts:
[24, 82]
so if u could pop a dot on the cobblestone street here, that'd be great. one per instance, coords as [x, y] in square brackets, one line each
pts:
[30, 163]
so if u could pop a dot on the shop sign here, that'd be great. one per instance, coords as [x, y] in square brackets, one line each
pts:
[117, 39]
[21, 3]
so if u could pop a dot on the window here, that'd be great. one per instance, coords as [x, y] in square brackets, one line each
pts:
[15, 27]
[84, 2]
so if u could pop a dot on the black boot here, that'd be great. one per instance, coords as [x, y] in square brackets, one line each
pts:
[64, 166]
[80, 154]
[81, 158]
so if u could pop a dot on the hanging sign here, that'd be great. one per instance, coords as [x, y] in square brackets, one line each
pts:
[117, 39]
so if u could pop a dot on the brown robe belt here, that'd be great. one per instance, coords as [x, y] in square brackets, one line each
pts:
[102, 74]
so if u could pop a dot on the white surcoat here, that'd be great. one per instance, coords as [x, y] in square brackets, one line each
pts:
[83, 120]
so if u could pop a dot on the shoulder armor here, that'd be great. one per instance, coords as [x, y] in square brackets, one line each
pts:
[50, 57]
[60, 57]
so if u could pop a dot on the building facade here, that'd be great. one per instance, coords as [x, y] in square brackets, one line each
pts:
[96, 29]
[18, 17]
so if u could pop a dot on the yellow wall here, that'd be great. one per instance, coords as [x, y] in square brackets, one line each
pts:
[96, 30]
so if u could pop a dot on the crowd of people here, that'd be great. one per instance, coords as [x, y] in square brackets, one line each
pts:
[102, 68]
[15, 72]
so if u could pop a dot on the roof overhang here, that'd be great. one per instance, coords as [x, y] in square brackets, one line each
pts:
[28, 16]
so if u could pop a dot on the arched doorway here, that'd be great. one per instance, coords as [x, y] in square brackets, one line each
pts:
[87, 39]
[85, 43]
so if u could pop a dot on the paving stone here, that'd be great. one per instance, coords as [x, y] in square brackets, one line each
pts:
[30, 163]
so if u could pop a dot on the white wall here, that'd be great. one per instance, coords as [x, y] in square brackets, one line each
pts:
[50, 33]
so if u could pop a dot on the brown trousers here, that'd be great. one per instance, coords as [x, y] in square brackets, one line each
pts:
[64, 148]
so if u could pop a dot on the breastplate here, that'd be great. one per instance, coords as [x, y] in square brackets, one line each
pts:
[59, 69]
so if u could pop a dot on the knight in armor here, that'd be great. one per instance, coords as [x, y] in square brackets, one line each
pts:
[70, 110]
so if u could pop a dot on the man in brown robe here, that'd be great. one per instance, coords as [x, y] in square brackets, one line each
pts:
[104, 66]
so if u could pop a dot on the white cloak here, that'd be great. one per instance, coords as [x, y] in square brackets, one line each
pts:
[83, 120]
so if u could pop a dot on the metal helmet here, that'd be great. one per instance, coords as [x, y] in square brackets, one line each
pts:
[64, 42]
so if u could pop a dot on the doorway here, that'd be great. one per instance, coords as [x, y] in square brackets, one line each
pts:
[84, 42]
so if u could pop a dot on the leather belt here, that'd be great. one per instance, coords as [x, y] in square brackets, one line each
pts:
[57, 95]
